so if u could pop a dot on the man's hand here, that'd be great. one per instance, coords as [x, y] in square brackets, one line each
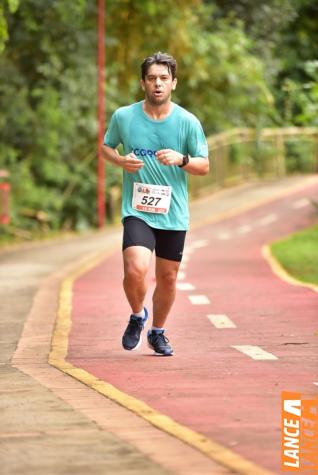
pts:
[131, 163]
[169, 157]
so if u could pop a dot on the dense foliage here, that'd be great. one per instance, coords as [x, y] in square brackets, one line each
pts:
[240, 64]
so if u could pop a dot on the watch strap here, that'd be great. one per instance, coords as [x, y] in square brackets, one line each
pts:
[185, 161]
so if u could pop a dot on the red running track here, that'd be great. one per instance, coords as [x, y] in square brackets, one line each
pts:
[208, 385]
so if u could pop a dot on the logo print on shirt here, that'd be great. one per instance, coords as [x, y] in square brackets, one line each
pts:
[143, 152]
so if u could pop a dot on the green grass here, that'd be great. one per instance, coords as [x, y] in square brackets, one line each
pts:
[298, 254]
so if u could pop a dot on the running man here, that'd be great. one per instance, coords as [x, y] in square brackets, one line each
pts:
[162, 143]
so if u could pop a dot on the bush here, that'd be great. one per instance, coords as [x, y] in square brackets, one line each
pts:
[300, 156]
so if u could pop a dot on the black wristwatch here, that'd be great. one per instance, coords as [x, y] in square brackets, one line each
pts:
[185, 161]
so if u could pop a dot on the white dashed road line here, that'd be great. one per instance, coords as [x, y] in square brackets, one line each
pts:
[185, 286]
[255, 352]
[244, 229]
[300, 203]
[221, 321]
[224, 236]
[199, 299]
[188, 250]
[270, 218]
[200, 243]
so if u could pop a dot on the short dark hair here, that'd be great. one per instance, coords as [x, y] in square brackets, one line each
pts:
[159, 58]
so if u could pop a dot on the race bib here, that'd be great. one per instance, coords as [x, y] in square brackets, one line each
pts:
[151, 198]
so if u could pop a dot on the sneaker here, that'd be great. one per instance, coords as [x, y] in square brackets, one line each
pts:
[158, 342]
[132, 336]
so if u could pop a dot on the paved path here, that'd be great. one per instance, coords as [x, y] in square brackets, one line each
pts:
[210, 387]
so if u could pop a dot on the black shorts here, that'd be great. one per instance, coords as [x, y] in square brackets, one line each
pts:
[168, 244]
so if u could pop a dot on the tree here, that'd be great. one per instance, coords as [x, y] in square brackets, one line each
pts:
[6, 5]
[48, 110]
[284, 34]
[297, 82]
[48, 90]
[219, 78]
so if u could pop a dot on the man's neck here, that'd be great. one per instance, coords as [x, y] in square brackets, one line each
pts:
[159, 112]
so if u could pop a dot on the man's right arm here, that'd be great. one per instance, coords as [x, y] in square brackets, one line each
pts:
[130, 163]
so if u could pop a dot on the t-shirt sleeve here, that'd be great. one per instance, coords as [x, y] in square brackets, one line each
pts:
[112, 136]
[197, 144]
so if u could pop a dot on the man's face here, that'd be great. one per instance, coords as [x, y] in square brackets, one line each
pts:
[158, 84]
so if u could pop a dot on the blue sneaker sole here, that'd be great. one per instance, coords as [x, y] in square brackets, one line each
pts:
[159, 354]
[136, 347]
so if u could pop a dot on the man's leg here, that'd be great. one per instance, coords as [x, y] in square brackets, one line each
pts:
[165, 291]
[163, 298]
[138, 244]
[169, 249]
[136, 265]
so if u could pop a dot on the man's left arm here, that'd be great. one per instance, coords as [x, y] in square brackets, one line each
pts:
[195, 165]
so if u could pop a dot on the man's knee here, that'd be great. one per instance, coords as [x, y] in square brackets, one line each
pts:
[167, 279]
[135, 271]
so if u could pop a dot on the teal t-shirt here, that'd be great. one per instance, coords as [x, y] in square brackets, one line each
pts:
[138, 133]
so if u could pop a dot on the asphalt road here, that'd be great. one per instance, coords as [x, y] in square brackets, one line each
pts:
[52, 423]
